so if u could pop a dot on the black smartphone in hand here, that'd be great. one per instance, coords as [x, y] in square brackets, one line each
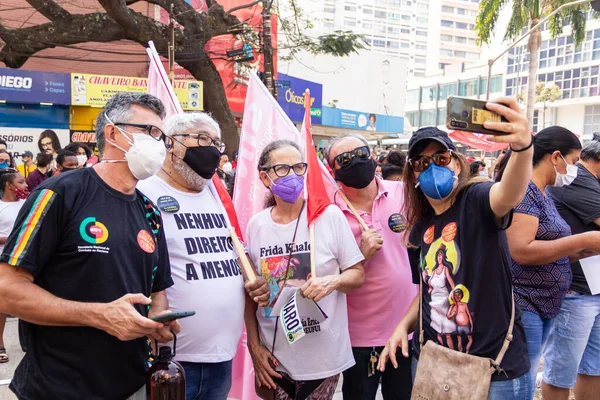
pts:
[465, 114]
[172, 316]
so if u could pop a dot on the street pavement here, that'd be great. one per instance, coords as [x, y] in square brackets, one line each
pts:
[11, 342]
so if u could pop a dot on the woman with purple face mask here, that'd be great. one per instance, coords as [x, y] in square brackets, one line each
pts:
[278, 244]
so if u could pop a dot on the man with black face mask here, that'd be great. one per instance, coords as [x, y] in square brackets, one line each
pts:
[388, 290]
[205, 267]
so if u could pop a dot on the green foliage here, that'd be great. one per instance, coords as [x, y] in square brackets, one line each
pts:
[545, 92]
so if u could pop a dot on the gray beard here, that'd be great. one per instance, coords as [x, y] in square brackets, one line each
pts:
[192, 179]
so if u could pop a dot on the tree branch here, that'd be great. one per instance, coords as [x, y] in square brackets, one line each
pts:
[183, 12]
[50, 9]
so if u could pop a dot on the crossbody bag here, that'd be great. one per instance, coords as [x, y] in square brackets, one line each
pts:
[448, 374]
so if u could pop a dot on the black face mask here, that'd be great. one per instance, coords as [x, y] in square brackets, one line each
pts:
[64, 169]
[358, 174]
[203, 160]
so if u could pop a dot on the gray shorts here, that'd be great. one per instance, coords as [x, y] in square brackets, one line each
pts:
[463, 330]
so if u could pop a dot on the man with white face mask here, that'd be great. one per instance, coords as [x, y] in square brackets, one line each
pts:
[206, 271]
[87, 252]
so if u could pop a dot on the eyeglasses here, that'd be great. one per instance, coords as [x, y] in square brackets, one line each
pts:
[204, 140]
[154, 132]
[345, 158]
[46, 144]
[282, 170]
[421, 163]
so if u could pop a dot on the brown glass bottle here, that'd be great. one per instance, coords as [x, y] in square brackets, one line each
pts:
[166, 378]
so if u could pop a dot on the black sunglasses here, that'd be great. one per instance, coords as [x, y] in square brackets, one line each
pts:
[421, 163]
[282, 170]
[154, 132]
[344, 159]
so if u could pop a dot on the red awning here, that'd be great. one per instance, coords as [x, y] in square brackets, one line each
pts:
[477, 140]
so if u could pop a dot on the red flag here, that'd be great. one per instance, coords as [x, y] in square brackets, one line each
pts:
[477, 140]
[314, 192]
[227, 204]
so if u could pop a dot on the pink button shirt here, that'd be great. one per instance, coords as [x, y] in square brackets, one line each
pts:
[377, 307]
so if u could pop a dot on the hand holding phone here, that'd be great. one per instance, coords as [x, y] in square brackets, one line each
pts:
[470, 115]
[172, 316]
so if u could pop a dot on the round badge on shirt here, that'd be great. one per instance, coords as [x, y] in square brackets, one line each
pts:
[167, 204]
[397, 223]
[146, 241]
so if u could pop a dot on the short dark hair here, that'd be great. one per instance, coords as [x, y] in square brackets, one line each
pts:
[76, 145]
[4, 143]
[60, 158]
[396, 160]
[43, 159]
[11, 163]
[49, 133]
[118, 110]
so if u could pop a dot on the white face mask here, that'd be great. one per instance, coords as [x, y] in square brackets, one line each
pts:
[565, 179]
[227, 167]
[81, 160]
[145, 156]
[483, 173]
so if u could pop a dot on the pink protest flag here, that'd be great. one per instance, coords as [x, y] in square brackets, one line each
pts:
[159, 84]
[264, 122]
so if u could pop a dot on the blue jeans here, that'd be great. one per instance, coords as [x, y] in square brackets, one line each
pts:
[207, 381]
[514, 389]
[574, 345]
[537, 331]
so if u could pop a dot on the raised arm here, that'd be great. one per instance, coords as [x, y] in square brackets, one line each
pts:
[505, 195]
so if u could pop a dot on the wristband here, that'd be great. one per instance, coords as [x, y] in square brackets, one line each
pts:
[524, 148]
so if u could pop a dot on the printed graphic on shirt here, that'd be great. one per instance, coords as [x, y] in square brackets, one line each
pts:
[448, 299]
[94, 232]
[202, 244]
[274, 268]
[146, 241]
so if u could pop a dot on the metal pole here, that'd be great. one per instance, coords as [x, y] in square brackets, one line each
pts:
[171, 47]
[268, 48]
[523, 36]
[489, 79]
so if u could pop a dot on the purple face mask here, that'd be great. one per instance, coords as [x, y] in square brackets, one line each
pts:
[288, 188]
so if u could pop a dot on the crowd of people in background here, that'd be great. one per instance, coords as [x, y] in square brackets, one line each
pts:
[418, 246]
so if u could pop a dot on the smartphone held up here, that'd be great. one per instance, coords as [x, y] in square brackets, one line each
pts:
[466, 114]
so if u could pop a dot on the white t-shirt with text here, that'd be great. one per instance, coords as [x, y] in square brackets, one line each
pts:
[207, 277]
[325, 350]
[8, 215]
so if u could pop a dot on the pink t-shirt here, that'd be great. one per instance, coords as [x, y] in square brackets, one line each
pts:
[377, 307]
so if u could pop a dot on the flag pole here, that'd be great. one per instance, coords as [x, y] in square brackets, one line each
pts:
[311, 227]
[361, 221]
[239, 249]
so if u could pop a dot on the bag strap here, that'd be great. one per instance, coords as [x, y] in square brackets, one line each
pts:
[287, 270]
[509, 334]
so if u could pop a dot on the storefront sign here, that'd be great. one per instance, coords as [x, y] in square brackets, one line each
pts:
[291, 99]
[22, 86]
[26, 139]
[83, 136]
[362, 121]
[96, 90]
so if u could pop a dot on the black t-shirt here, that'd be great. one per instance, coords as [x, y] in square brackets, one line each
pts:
[467, 285]
[579, 205]
[84, 241]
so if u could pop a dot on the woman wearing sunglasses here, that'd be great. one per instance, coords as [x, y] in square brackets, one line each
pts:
[278, 243]
[461, 222]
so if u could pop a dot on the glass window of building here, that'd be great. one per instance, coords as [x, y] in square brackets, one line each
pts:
[448, 9]
[461, 25]
[393, 30]
[379, 43]
[350, 8]
[380, 14]
[446, 38]
[441, 117]
[421, 33]
[468, 88]
[330, 10]
[413, 118]
[447, 24]
[368, 11]
[393, 44]
[420, 60]
[428, 93]
[446, 52]
[460, 39]
[427, 118]
[405, 31]
[420, 46]
[412, 96]
[449, 89]
[592, 119]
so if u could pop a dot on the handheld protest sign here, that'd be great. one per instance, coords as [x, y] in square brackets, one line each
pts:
[239, 249]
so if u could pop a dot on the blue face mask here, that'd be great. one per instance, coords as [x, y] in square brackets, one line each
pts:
[436, 182]
[3, 165]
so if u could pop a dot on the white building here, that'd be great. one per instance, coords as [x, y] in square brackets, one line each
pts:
[576, 71]
[408, 29]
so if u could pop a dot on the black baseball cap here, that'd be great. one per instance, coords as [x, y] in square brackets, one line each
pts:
[426, 134]
[27, 153]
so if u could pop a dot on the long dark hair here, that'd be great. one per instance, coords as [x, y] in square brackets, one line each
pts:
[49, 133]
[6, 176]
[264, 163]
[416, 205]
[445, 262]
[396, 161]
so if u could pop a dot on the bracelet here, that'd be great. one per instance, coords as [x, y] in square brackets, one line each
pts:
[524, 148]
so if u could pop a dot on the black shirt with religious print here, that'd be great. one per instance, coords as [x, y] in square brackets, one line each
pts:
[463, 258]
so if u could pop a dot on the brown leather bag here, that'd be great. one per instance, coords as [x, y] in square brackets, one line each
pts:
[447, 374]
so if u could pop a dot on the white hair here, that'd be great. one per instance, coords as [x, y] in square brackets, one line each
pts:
[181, 123]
